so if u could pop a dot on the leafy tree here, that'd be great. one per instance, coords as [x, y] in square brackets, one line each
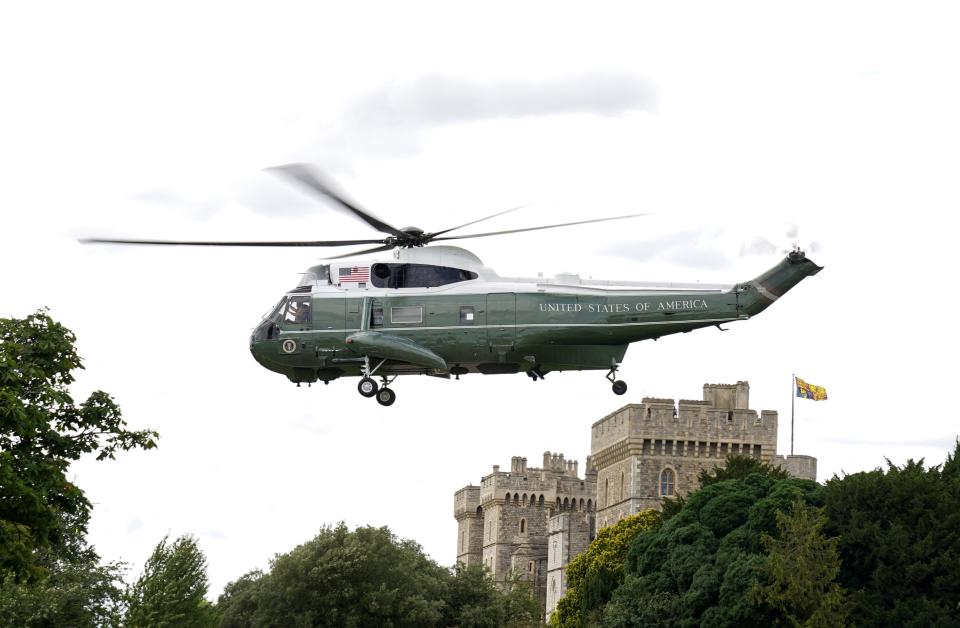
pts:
[171, 590]
[342, 578]
[596, 573]
[899, 542]
[699, 567]
[76, 592]
[801, 568]
[368, 577]
[41, 431]
[738, 468]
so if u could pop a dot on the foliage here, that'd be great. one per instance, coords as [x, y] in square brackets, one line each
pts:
[41, 431]
[368, 577]
[343, 578]
[79, 592]
[800, 570]
[474, 601]
[700, 565]
[596, 573]
[171, 590]
[738, 468]
[899, 542]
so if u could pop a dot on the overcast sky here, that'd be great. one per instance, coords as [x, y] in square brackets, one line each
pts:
[745, 128]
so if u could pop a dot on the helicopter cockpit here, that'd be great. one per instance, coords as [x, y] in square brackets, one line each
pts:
[291, 310]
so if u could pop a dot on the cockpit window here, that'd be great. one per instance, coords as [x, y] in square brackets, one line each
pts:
[417, 275]
[297, 310]
[314, 274]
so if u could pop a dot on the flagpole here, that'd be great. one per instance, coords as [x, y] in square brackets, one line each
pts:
[793, 395]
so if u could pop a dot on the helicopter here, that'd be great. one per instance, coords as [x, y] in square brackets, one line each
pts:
[438, 310]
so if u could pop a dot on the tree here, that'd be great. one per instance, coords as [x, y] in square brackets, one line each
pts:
[170, 591]
[801, 569]
[899, 542]
[340, 578]
[78, 592]
[699, 567]
[41, 431]
[369, 577]
[596, 573]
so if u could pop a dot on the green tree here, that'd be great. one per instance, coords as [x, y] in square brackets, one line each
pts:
[170, 591]
[899, 542]
[369, 577]
[340, 578]
[699, 567]
[75, 592]
[596, 573]
[801, 569]
[42, 430]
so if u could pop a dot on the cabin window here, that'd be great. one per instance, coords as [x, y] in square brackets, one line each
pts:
[407, 314]
[466, 315]
[417, 275]
[297, 310]
[376, 316]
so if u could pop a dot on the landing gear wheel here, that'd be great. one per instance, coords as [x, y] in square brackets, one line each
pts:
[386, 397]
[367, 387]
[619, 387]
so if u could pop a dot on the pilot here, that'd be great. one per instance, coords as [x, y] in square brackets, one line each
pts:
[303, 313]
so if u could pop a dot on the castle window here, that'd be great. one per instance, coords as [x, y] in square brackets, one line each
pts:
[523, 526]
[589, 505]
[666, 482]
[540, 501]
[730, 416]
[648, 413]
[516, 499]
[507, 498]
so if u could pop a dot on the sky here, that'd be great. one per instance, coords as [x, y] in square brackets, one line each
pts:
[744, 129]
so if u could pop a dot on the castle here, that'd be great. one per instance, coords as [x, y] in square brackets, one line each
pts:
[529, 522]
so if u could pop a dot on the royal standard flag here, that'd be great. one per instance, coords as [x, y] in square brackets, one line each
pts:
[809, 391]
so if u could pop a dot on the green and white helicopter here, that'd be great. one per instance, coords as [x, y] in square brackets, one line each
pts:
[440, 311]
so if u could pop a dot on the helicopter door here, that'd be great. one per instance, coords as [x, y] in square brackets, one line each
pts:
[501, 321]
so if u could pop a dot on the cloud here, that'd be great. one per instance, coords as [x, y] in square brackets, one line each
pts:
[442, 99]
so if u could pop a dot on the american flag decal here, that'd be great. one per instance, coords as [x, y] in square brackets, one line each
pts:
[355, 273]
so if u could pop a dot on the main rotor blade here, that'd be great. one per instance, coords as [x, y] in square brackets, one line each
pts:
[219, 243]
[376, 249]
[564, 224]
[467, 224]
[302, 174]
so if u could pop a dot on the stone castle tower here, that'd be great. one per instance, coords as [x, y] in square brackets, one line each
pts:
[535, 521]
[503, 523]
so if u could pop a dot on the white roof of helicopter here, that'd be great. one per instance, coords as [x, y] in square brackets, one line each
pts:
[456, 257]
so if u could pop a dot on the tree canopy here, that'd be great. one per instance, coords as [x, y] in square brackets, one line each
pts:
[699, 567]
[898, 535]
[42, 430]
[170, 591]
[369, 577]
[596, 573]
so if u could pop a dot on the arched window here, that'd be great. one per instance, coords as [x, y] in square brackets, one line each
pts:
[566, 503]
[524, 499]
[667, 479]
[558, 503]
[507, 498]
[581, 503]
[516, 499]
[589, 505]
[540, 502]
[523, 526]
